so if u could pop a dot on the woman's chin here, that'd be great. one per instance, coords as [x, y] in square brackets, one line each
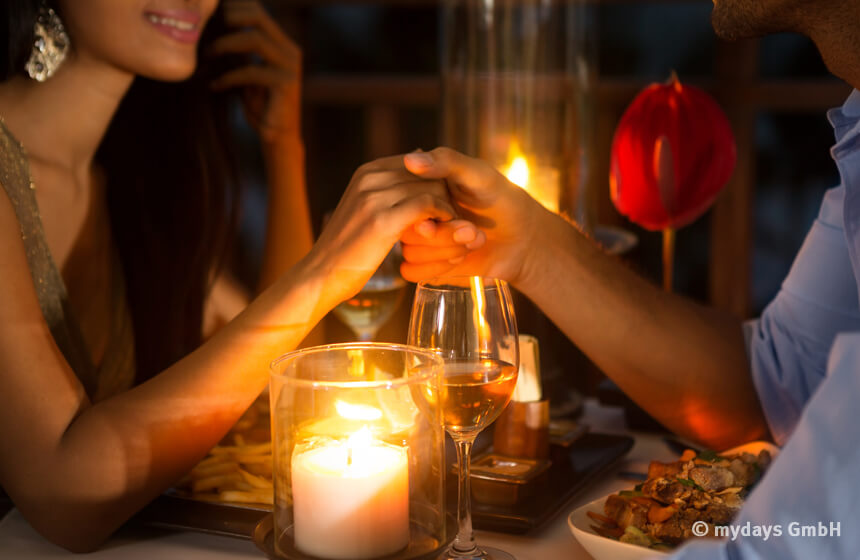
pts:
[170, 71]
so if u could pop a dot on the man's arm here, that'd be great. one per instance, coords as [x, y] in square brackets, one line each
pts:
[683, 363]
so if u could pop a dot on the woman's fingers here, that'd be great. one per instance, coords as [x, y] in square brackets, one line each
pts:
[455, 232]
[392, 210]
[385, 179]
[416, 254]
[250, 13]
[398, 192]
[420, 206]
[381, 172]
[263, 76]
[272, 83]
[255, 41]
[420, 272]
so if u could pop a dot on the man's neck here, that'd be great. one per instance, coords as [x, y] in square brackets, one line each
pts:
[62, 121]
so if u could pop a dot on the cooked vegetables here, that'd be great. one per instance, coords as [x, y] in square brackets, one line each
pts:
[660, 512]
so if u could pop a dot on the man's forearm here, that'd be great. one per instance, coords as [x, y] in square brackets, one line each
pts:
[683, 363]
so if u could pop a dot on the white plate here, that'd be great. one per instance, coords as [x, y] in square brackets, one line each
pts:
[604, 548]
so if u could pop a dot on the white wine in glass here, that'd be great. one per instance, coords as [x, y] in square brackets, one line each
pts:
[475, 393]
[470, 322]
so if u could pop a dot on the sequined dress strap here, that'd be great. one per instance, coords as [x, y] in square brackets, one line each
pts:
[50, 289]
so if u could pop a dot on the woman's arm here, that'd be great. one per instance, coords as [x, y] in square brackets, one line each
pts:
[78, 470]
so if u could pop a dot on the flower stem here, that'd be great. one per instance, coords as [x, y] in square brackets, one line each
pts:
[668, 258]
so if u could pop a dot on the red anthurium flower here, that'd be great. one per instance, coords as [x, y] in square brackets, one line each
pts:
[673, 152]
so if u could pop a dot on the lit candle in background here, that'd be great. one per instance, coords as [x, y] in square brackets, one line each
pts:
[350, 499]
[542, 182]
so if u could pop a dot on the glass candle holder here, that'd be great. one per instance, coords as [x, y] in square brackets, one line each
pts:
[516, 80]
[358, 452]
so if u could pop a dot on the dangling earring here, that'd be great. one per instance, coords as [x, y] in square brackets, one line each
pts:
[50, 46]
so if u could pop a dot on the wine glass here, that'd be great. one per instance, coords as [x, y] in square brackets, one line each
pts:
[470, 322]
[368, 310]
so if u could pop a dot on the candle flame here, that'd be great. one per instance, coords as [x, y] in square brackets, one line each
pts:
[362, 439]
[357, 411]
[540, 181]
[518, 172]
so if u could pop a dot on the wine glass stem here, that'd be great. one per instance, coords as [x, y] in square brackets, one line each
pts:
[464, 545]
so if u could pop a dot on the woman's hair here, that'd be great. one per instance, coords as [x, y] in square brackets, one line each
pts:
[16, 24]
[172, 192]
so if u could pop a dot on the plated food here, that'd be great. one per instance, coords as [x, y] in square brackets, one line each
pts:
[660, 513]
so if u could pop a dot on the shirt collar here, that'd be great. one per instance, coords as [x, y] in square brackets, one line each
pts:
[846, 121]
[846, 154]
[851, 108]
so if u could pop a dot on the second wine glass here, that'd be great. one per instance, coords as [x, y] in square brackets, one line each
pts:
[470, 322]
[368, 310]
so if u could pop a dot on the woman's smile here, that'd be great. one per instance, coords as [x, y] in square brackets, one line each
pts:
[181, 25]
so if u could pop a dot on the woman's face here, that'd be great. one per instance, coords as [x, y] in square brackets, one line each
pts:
[156, 39]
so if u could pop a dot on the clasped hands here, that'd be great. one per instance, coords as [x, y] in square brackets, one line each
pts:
[455, 216]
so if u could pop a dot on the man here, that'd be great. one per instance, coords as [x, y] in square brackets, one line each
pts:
[793, 374]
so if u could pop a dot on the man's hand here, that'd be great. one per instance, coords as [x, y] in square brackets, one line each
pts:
[506, 216]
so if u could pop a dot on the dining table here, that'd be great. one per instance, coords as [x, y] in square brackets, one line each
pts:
[554, 540]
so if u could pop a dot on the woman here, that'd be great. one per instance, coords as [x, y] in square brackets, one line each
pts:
[106, 399]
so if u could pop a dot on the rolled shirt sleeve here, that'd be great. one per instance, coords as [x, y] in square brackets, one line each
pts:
[790, 343]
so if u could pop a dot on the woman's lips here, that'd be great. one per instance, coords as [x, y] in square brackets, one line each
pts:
[181, 25]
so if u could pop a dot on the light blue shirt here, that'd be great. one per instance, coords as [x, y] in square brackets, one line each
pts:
[805, 358]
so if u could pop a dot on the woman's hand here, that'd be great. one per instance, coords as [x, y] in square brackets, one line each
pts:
[506, 215]
[382, 201]
[272, 89]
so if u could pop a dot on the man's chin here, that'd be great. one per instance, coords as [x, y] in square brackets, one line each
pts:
[731, 29]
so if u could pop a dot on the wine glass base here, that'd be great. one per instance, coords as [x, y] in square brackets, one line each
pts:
[483, 553]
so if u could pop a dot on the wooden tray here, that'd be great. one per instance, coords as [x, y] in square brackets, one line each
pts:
[178, 513]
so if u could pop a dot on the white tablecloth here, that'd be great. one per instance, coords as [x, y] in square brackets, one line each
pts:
[18, 541]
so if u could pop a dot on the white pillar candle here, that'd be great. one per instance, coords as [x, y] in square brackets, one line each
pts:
[351, 499]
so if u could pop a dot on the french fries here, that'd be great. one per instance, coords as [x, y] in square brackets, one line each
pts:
[240, 473]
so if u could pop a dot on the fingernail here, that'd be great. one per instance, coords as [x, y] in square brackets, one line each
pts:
[456, 260]
[421, 160]
[465, 235]
[479, 241]
[426, 229]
